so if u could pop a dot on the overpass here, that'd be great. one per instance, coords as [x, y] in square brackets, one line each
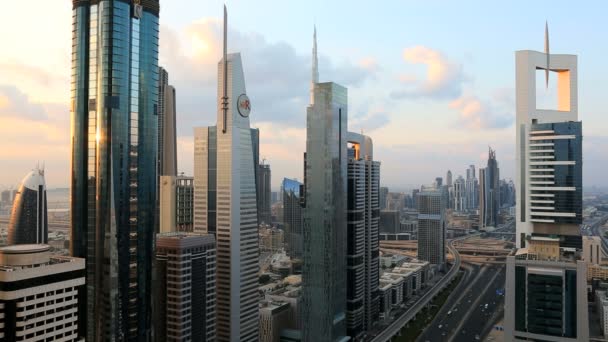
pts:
[395, 327]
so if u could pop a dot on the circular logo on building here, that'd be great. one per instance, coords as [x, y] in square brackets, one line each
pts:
[243, 105]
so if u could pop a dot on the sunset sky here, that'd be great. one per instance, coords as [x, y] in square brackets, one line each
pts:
[432, 82]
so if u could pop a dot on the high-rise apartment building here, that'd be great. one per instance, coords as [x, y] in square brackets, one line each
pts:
[114, 109]
[225, 201]
[324, 260]
[292, 217]
[28, 223]
[362, 270]
[39, 294]
[431, 226]
[184, 287]
[546, 289]
[489, 193]
[383, 197]
[263, 194]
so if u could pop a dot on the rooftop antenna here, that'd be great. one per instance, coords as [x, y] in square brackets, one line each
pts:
[225, 57]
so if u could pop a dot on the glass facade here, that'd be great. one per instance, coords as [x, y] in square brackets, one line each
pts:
[557, 171]
[324, 254]
[28, 222]
[114, 147]
[292, 217]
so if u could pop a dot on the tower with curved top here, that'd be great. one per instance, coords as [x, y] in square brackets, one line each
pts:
[29, 219]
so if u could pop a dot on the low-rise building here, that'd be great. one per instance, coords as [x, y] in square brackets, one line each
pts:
[39, 294]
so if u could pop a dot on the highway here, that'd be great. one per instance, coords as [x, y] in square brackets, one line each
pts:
[395, 327]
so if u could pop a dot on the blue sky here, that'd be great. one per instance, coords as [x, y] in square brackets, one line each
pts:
[432, 82]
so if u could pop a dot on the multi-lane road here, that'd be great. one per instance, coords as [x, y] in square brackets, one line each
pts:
[395, 327]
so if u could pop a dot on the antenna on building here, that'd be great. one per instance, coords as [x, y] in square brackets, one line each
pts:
[225, 57]
[547, 53]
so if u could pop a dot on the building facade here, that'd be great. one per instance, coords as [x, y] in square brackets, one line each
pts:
[184, 287]
[28, 223]
[363, 249]
[39, 294]
[472, 189]
[546, 293]
[114, 109]
[324, 259]
[176, 204]
[292, 217]
[459, 193]
[263, 194]
[225, 202]
[431, 226]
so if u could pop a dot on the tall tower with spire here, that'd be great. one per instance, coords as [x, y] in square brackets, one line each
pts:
[324, 258]
[225, 201]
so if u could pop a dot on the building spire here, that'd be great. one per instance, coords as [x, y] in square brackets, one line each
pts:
[225, 58]
[547, 53]
[315, 66]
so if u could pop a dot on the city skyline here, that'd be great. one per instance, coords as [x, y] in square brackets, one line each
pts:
[34, 94]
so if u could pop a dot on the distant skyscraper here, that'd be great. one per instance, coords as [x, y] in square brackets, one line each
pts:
[362, 271]
[184, 287]
[29, 219]
[459, 194]
[438, 182]
[415, 193]
[114, 107]
[324, 261]
[546, 287]
[225, 201]
[263, 194]
[39, 294]
[431, 226]
[448, 178]
[383, 197]
[292, 217]
[489, 193]
[472, 189]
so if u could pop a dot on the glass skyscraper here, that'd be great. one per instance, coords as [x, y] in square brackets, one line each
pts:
[292, 217]
[29, 219]
[114, 107]
[489, 193]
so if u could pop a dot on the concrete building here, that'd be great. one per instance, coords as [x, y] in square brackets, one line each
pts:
[114, 145]
[325, 241]
[400, 283]
[184, 287]
[225, 201]
[28, 223]
[431, 226]
[176, 204]
[39, 294]
[460, 199]
[546, 290]
[274, 317]
[592, 250]
[382, 197]
[601, 302]
[471, 189]
[362, 236]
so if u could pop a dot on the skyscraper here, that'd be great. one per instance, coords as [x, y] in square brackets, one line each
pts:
[184, 287]
[292, 217]
[546, 288]
[324, 262]
[263, 191]
[114, 107]
[29, 218]
[167, 146]
[362, 271]
[431, 226]
[459, 194]
[489, 193]
[383, 196]
[448, 178]
[472, 189]
[225, 201]
[176, 204]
